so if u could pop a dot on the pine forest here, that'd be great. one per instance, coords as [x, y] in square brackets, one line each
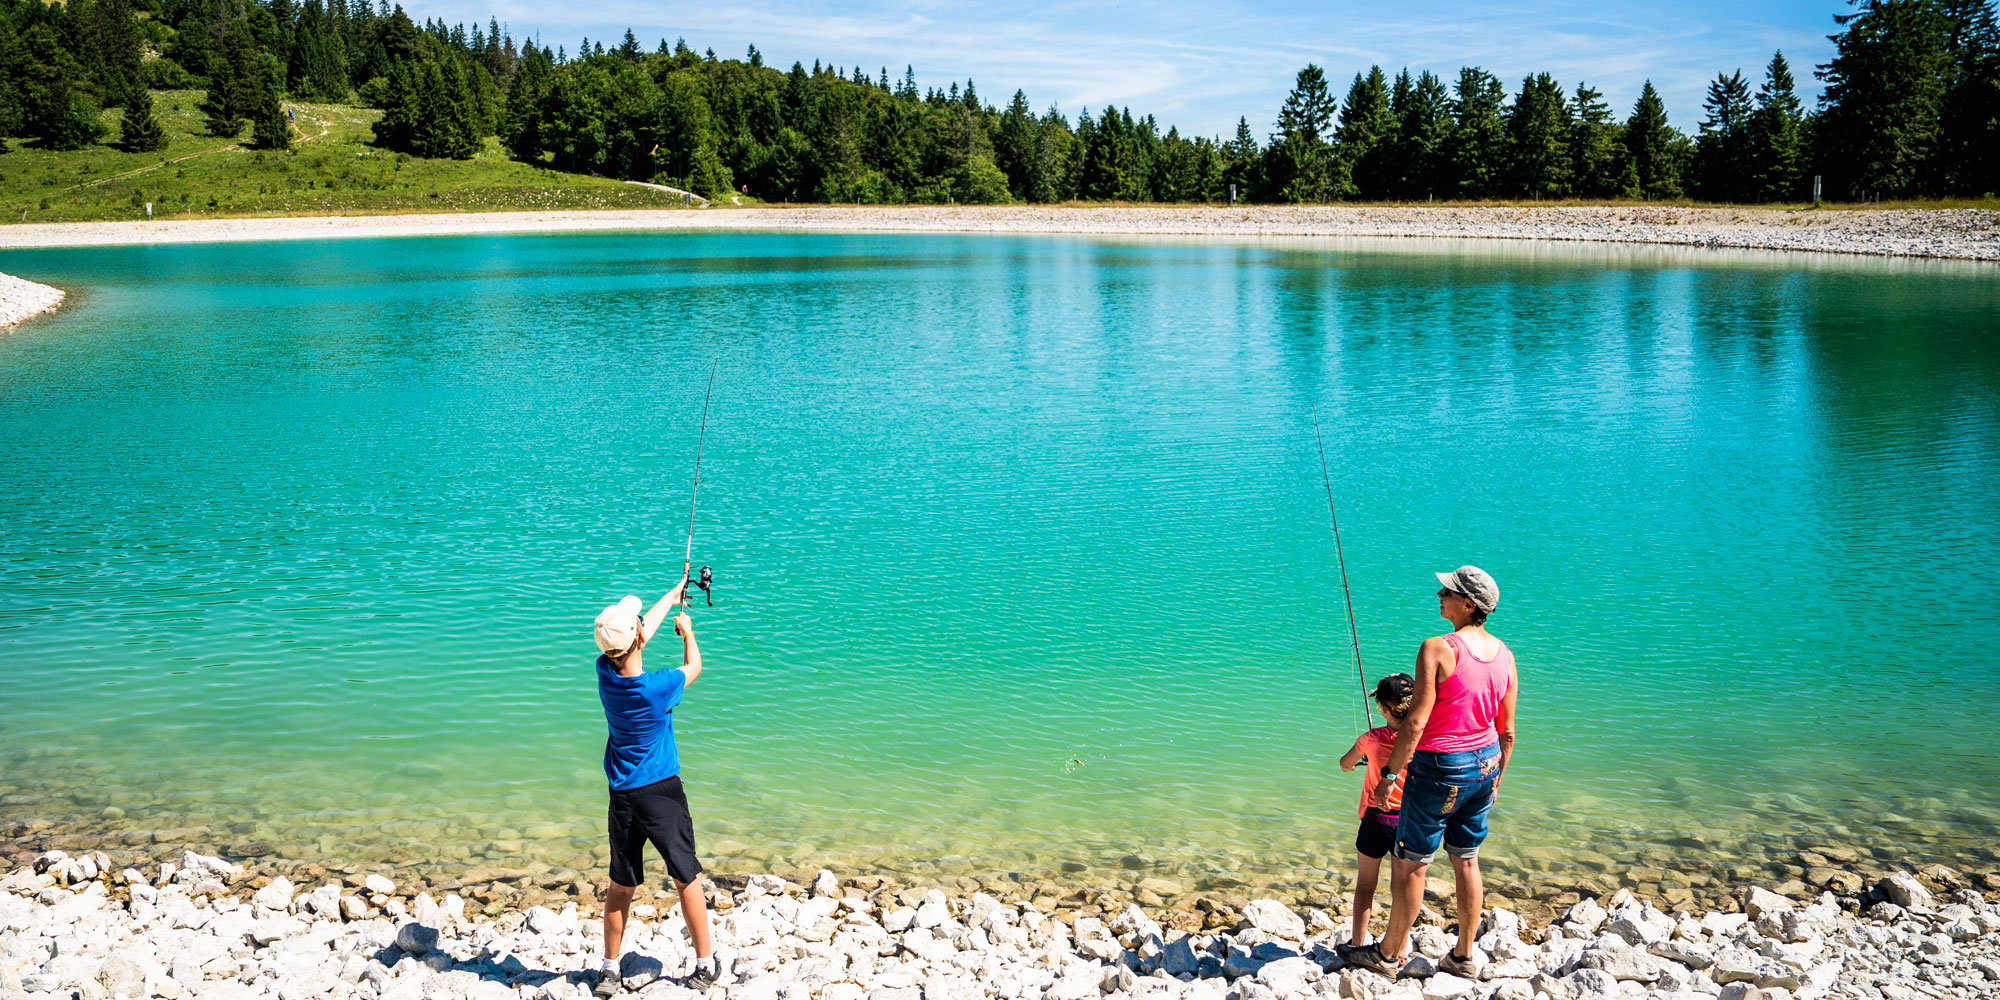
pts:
[1911, 109]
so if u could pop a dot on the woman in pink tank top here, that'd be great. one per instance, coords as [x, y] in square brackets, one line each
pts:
[1455, 741]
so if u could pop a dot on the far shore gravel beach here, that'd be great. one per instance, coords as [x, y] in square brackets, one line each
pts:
[92, 927]
[1960, 234]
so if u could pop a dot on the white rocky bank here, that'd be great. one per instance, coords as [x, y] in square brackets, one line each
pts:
[179, 933]
[21, 299]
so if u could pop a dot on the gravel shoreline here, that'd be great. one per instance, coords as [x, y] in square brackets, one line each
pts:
[1961, 234]
[22, 300]
[203, 927]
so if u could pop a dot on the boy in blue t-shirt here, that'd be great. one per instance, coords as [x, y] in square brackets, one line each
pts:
[643, 768]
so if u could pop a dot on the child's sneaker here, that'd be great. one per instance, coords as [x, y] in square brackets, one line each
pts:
[706, 972]
[609, 980]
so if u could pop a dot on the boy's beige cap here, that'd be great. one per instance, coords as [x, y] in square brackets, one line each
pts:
[618, 625]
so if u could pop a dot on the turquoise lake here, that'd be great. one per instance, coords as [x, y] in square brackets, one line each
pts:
[1020, 545]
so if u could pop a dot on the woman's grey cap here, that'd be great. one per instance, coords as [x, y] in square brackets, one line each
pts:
[1475, 584]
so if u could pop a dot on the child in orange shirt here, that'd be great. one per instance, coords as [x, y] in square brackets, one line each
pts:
[1393, 695]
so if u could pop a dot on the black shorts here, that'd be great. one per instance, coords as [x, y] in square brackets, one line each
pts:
[1375, 837]
[657, 812]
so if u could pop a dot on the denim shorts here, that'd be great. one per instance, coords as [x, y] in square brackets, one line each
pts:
[1445, 800]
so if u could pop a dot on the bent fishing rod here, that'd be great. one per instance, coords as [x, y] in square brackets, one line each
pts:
[1353, 632]
[687, 561]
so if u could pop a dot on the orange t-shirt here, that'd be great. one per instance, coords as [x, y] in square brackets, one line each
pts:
[1376, 744]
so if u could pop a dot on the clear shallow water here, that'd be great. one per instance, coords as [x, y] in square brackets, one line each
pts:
[1020, 543]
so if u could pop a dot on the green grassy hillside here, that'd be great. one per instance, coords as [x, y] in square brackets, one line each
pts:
[332, 170]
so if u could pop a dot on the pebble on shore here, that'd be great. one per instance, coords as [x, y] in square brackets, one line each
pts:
[21, 300]
[72, 928]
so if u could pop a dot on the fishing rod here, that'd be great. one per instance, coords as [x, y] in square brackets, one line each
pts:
[1353, 632]
[706, 578]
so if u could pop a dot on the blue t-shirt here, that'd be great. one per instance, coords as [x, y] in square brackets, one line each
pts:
[640, 712]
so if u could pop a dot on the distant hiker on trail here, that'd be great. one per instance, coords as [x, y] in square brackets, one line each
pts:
[1393, 696]
[1456, 741]
[643, 766]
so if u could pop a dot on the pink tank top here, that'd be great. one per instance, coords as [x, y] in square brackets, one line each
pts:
[1469, 700]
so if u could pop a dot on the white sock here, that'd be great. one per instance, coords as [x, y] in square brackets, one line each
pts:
[610, 965]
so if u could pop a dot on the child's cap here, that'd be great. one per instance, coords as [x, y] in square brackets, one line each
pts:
[1396, 690]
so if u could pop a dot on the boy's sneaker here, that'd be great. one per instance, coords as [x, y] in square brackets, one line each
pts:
[609, 981]
[706, 972]
[1370, 957]
[1468, 967]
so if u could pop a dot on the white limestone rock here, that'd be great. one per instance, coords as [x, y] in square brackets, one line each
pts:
[1588, 984]
[1903, 889]
[1445, 986]
[1693, 954]
[1585, 915]
[1287, 976]
[1622, 961]
[1275, 919]
[825, 885]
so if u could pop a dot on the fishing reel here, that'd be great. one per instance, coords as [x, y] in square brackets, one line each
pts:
[704, 580]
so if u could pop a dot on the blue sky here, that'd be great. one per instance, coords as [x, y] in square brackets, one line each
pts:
[1199, 65]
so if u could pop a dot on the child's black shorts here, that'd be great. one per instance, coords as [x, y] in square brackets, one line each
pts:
[1375, 837]
[657, 812]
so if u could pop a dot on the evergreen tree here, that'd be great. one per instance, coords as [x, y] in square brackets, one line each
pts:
[1243, 164]
[115, 39]
[521, 125]
[1300, 159]
[1777, 152]
[269, 128]
[685, 129]
[1971, 118]
[225, 107]
[1479, 134]
[452, 129]
[10, 100]
[1594, 149]
[1539, 130]
[402, 111]
[1422, 160]
[1017, 147]
[1650, 148]
[141, 131]
[1881, 113]
[1366, 135]
[54, 107]
[1723, 165]
[319, 56]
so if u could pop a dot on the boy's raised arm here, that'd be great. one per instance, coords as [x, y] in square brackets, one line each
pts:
[690, 653]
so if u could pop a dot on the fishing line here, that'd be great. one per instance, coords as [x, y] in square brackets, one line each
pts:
[1353, 632]
[687, 561]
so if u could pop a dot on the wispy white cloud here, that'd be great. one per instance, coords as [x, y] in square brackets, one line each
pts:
[1199, 66]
